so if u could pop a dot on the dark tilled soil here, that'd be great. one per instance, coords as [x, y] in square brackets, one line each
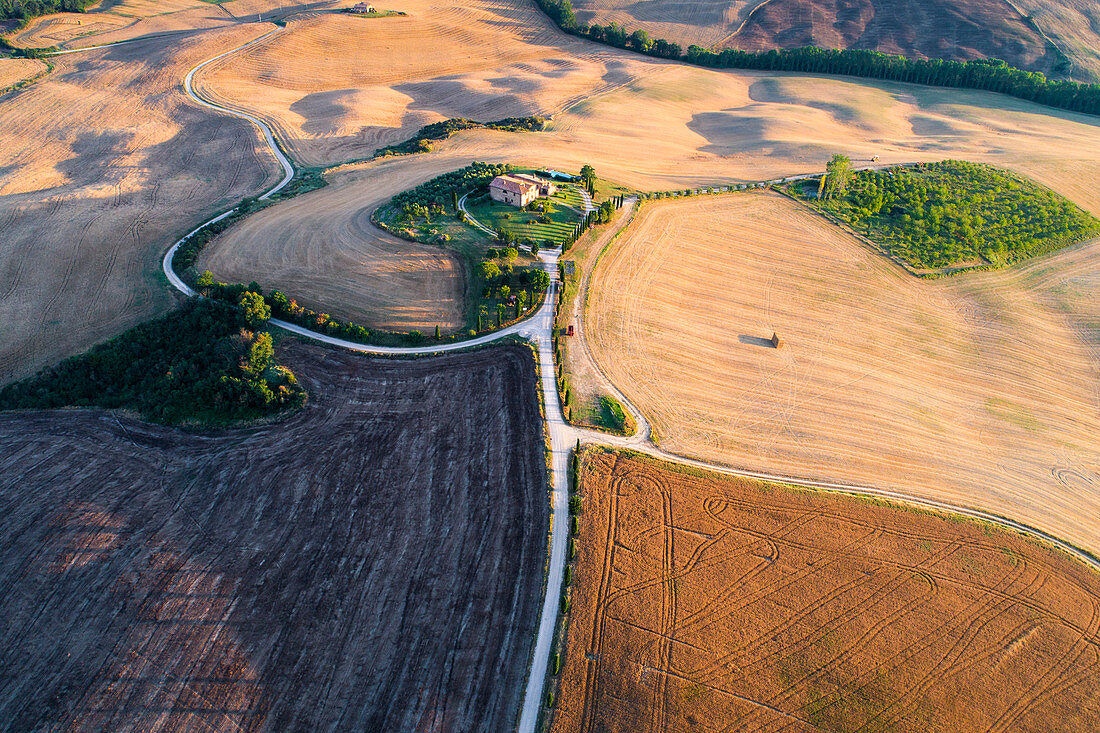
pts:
[372, 563]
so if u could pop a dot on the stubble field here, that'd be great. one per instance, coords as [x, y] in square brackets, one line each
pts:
[102, 165]
[980, 389]
[704, 602]
[374, 562]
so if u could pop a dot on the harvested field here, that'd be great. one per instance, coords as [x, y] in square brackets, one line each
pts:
[697, 126]
[322, 249]
[103, 165]
[980, 389]
[704, 602]
[13, 71]
[484, 60]
[373, 563]
[122, 20]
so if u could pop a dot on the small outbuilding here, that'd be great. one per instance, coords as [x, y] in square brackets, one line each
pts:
[777, 343]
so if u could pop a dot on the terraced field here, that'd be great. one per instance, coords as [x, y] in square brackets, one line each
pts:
[714, 603]
[978, 389]
[373, 563]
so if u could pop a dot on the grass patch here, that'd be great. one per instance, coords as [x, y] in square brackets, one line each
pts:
[549, 227]
[202, 364]
[955, 215]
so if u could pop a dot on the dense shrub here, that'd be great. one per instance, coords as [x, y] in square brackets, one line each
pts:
[935, 215]
[438, 191]
[421, 141]
[201, 363]
[27, 9]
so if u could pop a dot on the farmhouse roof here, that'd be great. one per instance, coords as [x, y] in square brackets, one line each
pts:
[511, 184]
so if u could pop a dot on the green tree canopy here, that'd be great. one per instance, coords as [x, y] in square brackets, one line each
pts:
[254, 310]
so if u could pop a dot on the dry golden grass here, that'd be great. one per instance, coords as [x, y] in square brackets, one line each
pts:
[333, 95]
[703, 602]
[102, 165]
[337, 87]
[13, 71]
[980, 389]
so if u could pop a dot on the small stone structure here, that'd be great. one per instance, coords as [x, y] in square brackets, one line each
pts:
[777, 343]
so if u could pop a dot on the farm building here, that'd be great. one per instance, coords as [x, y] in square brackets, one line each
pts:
[361, 9]
[519, 189]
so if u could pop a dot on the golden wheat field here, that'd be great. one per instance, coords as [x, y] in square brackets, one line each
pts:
[706, 602]
[980, 389]
[102, 166]
[334, 95]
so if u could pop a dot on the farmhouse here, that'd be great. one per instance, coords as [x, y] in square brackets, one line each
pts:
[361, 9]
[519, 189]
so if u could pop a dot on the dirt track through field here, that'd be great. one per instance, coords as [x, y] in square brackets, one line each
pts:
[705, 601]
[979, 390]
[373, 563]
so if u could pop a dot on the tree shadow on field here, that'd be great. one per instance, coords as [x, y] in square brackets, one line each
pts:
[756, 341]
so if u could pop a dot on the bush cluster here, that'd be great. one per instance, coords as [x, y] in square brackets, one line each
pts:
[207, 362]
[935, 215]
[421, 142]
[439, 191]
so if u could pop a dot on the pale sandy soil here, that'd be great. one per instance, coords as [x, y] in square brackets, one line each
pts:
[102, 165]
[981, 389]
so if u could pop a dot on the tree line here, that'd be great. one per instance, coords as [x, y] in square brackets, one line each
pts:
[421, 142]
[209, 362]
[992, 75]
[24, 10]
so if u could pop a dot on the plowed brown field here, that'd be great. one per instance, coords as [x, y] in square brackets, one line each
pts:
[980, 389]
[704, 602]
[373, 563]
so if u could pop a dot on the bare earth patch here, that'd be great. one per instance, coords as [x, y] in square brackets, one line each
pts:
[373, 563]
[704, 602]
[979, 389]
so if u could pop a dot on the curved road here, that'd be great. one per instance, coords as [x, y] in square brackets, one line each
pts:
[539, 330]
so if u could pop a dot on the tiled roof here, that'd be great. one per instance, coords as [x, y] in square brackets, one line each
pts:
[511, 185]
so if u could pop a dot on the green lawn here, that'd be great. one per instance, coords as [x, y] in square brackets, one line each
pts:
[524, 224]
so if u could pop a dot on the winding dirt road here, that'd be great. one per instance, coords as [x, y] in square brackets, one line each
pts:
[539, 329]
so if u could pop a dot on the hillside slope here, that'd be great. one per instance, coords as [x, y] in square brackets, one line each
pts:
[950, 29]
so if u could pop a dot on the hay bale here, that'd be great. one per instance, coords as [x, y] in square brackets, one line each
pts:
[777, 343]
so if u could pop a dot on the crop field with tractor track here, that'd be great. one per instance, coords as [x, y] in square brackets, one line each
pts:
[705, 602]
